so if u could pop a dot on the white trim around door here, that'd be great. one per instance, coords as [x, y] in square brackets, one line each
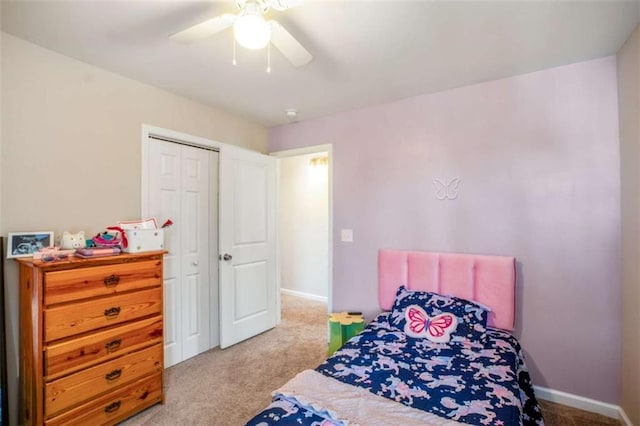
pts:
[196, 141]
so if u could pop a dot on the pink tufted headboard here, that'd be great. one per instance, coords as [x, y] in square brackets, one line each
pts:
[490, 280]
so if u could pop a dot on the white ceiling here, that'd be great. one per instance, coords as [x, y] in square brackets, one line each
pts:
[365, 52]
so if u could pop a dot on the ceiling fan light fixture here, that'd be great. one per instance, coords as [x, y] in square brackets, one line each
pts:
[252, 31]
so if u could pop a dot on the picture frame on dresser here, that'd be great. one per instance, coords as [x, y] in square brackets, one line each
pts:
[4, 397]
[24, 244]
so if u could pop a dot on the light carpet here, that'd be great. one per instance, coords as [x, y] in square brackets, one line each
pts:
[230, 386]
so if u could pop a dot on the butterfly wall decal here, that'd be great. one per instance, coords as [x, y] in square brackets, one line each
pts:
[437, 329]
[447, 190]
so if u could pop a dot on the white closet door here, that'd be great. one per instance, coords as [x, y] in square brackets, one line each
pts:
[179, 190]
[164, 203]
[247, 244]
[195, 251]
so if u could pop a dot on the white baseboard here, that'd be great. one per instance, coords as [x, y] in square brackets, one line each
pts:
[304, 295]
[626, 421]
[582, 403]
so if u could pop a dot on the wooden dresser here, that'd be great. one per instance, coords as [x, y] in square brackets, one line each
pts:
[91, 338]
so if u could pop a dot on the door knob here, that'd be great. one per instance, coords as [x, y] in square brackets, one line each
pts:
[227, 257]
[194, 263]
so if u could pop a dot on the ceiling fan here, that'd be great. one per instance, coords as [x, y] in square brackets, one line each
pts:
[251, 30]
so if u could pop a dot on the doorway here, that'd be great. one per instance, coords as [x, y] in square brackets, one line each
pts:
[305, 223]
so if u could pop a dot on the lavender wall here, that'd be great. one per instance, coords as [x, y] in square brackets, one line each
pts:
[538, 159]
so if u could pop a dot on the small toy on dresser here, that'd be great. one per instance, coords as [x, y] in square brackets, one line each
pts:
[107, 243]
[71, 241]
[113, 236]
[49, 254]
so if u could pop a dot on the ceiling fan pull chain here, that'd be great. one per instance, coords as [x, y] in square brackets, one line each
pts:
[234, 52]
[269, 57]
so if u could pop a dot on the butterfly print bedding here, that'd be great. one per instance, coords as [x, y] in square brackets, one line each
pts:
[482, 382]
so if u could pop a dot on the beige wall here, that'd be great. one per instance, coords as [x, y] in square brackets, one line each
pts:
[629, 98]
[71, 147]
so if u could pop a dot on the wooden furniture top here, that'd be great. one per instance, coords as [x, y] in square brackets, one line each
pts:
[75, 261]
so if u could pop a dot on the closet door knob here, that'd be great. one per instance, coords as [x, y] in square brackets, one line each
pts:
[227, 257]
[194, 263]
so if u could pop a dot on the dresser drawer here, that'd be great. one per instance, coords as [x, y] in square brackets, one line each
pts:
[74, 284]
[72, 355]
[68, 320]
[115, 406]
[84, 385]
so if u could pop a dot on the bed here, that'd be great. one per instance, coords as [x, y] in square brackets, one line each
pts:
[440, 353]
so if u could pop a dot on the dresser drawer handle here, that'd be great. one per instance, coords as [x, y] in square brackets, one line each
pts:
[112, 312]
[111, 280]
[112, 407]
[113, 345]
[115, 374]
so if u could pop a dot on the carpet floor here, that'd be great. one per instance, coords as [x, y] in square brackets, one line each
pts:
[228, 387]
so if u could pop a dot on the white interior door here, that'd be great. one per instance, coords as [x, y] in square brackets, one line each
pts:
[179, 189]
[247, 244]
[195, 251]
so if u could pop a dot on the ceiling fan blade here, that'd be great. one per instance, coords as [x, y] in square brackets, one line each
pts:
[204, 29]
[289, 46]
[283, 4]
[278, 4]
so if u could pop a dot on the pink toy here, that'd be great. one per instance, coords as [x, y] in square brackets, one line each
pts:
[116, 237]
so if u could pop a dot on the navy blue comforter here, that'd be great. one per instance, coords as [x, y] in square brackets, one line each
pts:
[481, 383]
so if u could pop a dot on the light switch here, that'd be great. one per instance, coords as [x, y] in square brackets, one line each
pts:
[346, 235]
